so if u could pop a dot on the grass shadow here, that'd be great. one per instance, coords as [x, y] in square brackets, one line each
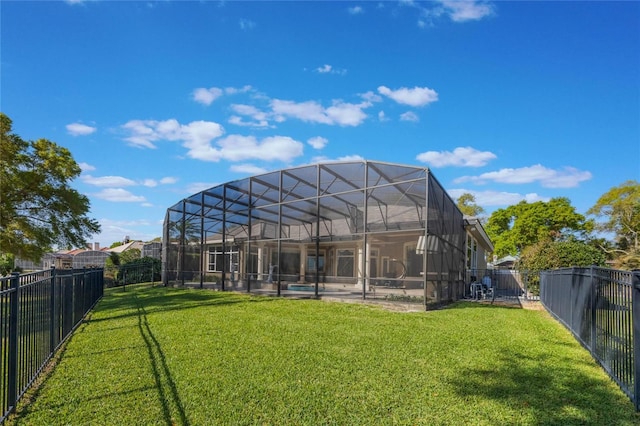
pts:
[168, 392]
[120, 304]
[553, 390]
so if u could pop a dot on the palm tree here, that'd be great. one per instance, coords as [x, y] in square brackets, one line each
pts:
[183, 231]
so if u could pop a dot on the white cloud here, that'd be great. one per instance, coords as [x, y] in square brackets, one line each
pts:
[238, 121]
[79, 129]
[497, 198]
[371, 97]
[273, 148]
[409, 116]
[249, 169]
[467, 10]
[259, 117]
[382, 117]
[168, 180]
[195, 187]
[569, 177]
[346, 158]
[196, 136]
[107, 181]
[119, 195]
[115, 230]
[234, 90]
[417, 96]
[328, 69]
[340, 113]
[460, 157]
[152, 183]
[207, 96]
[318, 142]
[86, 167]
[356, 10]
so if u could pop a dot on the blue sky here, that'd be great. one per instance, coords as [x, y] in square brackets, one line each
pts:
[508, 101]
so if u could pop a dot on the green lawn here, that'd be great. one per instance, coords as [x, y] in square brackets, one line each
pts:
[171, 356]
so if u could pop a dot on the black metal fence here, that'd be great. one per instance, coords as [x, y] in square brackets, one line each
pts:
[38, 311]
[506, 283]
[601, 307]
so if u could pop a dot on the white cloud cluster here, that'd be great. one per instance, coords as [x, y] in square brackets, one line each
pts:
[467, 10]
[328, 69]
[409, 116]
[107, 181]
[340, 113]
[318, 142]
[119, 195]
[497, 198]
[113, 185]
[416, 97]
[568, 177]
[249, 169]
[208, 96]
[79, 129]
[355, 10]
[240, 148]
[198, 137]
[456, 10]
[459, 157]
[195, 135]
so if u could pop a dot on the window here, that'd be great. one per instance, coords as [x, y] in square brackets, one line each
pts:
[216, 263]
[311, 262]
[345, 263]
[472, 253]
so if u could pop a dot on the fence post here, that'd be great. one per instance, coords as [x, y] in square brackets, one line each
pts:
[53, 317]
[594, 310]
[14, 305]
[635, 303]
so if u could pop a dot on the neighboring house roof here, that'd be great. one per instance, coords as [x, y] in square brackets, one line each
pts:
[128, 246]
[475, 228]
[505, 262]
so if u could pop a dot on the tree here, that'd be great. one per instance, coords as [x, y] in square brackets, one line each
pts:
[548, 254]
[467, 205]
[38, 208]
[183, 231]
[620, 209]
[524, 224]
[129, 256]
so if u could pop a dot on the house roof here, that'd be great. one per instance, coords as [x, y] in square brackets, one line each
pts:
[127, 246]
[475, 228]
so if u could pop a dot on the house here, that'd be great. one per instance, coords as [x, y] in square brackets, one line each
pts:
[363, 228]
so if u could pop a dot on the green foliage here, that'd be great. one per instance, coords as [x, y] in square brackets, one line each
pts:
[628, 260]
[467, 205]
[6, 264]
[140, 270]
[157, 355]
[113, 259]
[524, 224]
[557, 254]
[619, 210]
[38, 208]
[129, 256]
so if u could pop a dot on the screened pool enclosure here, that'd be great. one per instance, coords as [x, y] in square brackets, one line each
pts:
[346, 229]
